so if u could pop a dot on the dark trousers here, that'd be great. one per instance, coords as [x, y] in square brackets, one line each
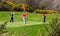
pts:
[12, 19]
[44, 19]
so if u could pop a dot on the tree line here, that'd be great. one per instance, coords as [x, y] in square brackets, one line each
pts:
[30, 5]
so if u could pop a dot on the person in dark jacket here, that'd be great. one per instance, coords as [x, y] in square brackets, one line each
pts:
[11, 17]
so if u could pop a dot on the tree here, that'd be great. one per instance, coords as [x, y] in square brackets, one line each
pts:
[33, 3]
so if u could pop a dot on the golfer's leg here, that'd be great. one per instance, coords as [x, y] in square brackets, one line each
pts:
[44, 19]
[24, 20]
[12, 19]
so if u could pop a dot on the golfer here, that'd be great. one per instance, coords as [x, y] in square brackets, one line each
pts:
[12, 17]
[24, 17]
[44, 17]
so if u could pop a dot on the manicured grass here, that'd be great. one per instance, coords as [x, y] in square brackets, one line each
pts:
[33, 30]
[30, 17]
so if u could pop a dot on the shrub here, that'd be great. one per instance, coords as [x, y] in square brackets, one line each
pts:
[40, 11]
[4, 7]
[18, 9]
[54, 27]
[3, 28]
[45, 11]
[26, 7]
[0, 7]
[9, 3]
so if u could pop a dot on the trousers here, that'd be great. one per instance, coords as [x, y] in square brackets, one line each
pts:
[44, 19]
[11, 19]
[24, 19]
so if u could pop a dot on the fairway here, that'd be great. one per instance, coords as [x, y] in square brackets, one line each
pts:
[31, 28]
[32, 18]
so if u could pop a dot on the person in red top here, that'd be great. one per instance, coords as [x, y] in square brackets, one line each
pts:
[24, 17]
[44, 17]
